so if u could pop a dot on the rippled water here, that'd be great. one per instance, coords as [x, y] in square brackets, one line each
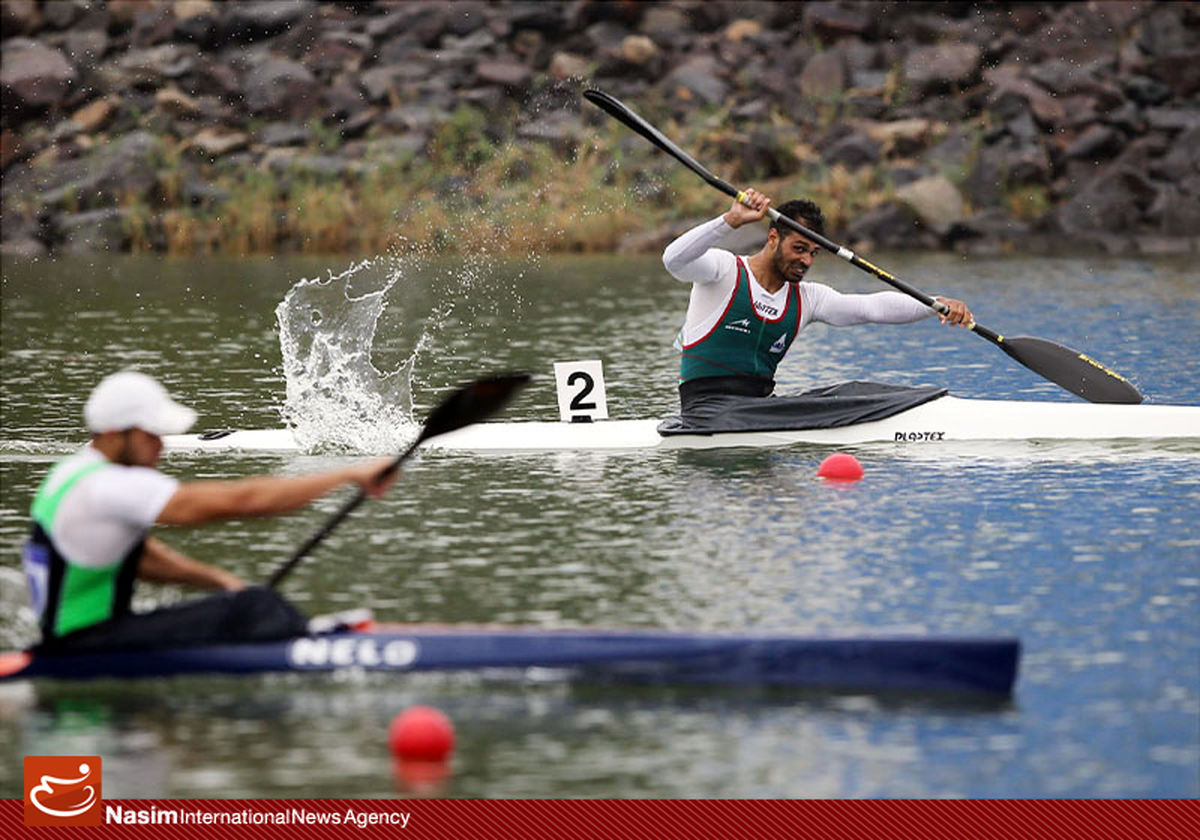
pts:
[1089, 553]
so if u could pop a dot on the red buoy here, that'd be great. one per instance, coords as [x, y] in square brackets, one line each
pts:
[841, 466]
[422, 733]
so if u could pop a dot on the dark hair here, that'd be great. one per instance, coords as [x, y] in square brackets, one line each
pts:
[803, 211]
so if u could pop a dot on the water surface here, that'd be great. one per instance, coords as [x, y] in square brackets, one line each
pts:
[1089, 552]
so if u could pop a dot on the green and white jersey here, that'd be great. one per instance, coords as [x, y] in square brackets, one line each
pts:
[713, 272]
[90, 518]
[750, 336]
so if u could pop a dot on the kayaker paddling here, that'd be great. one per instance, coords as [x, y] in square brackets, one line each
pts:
[90, 537]
[744, 312]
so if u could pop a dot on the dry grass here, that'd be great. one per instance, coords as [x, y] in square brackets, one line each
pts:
[516, 197]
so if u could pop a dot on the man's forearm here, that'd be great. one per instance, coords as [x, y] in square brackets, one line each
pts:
[162, 564]
[693, 257]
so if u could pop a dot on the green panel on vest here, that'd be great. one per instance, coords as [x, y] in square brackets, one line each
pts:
[87, 597]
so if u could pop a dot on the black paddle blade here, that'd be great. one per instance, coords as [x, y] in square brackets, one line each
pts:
[472, 403]
[1077, 372]
[623, 113]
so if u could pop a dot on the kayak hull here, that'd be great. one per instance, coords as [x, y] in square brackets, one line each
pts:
[969, 665]
[942, 421]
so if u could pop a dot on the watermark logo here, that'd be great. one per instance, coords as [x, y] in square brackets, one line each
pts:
[62, 790]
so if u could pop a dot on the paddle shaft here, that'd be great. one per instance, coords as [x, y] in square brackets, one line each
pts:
[620, 111]
[469, 404]
[347, 508]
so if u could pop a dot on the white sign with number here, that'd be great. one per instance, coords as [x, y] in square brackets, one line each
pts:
[581, 391]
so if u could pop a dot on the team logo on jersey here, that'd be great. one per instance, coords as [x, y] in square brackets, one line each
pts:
[780, 344]
[741, 325]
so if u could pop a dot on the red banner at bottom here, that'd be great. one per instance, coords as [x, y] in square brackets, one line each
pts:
[608, 819]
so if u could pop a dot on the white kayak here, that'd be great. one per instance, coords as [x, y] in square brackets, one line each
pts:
[944, 420]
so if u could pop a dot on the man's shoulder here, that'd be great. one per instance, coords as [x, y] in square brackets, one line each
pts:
[115, 477]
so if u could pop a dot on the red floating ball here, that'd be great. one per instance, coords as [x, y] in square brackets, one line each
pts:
[841, 466]
[422, 733]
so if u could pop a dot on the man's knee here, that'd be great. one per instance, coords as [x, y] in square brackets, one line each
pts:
[258, 612]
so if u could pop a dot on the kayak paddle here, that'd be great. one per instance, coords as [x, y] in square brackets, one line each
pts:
[1076, 372]
[469, 404]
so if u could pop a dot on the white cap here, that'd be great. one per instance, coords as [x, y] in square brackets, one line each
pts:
[132, 400]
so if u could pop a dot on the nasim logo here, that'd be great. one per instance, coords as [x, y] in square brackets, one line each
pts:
[62, 790]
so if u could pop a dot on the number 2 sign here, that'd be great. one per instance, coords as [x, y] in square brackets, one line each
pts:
[581, 396]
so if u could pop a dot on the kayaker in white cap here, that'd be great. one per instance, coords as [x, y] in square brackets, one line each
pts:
[92, 516]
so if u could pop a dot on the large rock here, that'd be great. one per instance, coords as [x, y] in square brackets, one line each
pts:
[832, 21]
[953, 154]
[1175, 212]
[1077, 32]
[1173, 119]
[278, 87]
[639, 50]
[214, 142]
[508, 72]
[253, 20]
[824, 76]
[1098, 141]
[1163, 31]
[23, 248]
[1113, 200]
[993, 224]
[741, 29]
[938, 67]
[96, 115]
[63, 13]
[935, 200]
[150, 67]
[1180, 71]
[1063, 78]
[892, 224]
[103, 230]
[19, 17]
[566, 65]
[112, 171]
[853, 151]
[1012, 94]
[904, 138]
[1183, 160]
[665, 24]
[33, 77]
[698, 79]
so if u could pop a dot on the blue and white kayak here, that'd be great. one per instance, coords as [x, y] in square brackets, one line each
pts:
[947, 420]
[969, 665]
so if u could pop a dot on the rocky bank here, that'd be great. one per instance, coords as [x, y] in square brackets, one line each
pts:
[984, 126]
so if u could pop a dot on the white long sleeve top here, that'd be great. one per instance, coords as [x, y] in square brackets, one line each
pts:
[696, 258]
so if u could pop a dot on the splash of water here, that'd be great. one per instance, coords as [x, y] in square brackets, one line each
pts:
[336, 397]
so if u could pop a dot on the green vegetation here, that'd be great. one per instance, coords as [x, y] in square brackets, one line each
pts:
[515, 196]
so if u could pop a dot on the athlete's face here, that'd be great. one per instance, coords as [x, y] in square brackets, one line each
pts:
[793, 256]
[139, 448]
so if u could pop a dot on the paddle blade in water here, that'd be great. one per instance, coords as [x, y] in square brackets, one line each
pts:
[1077, 372]
[472, 403]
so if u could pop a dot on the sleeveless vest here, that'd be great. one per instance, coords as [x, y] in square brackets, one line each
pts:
[742, 342]
[66, 596]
